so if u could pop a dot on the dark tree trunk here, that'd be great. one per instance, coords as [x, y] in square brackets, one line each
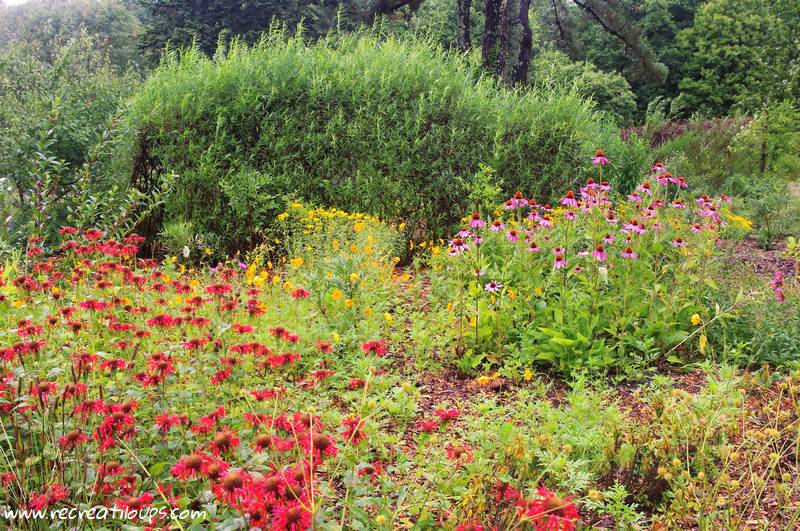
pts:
[491, 32]
[523, 63]
[463, 25]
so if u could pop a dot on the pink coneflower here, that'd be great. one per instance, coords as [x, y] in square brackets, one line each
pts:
[600, 253]
[475, 221]
[608, 238]
[533, 248]
[679, 242]
[665, 178]
[493, 286]
[633, 226]
[629, 254]
[457, 246]
[644, 188]
[559, 262]
[569, 199]
[681, 182]
[599, 158]
[517, 201]
[696, 228]
[678, 204]
[512, 235]
[497, 225]
[569, 214]
[658, 167]
[635, 198]
[545, 221]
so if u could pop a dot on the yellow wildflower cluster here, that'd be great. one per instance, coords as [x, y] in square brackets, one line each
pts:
[740, 222]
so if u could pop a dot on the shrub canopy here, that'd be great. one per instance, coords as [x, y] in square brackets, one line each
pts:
[360, 122]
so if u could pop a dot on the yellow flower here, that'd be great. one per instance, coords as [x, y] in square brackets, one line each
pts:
[358, 226]
[336, 337]
[283, 216]
[538, 292]
[367, 311]
[276, 280]
[354, 248]
[528, 375]
[258, 281]
[396, 259]
[207, 250]
[696, 320]
[353, 277]
[335, 244]
[482, 380]
[348, 303]
[388, 317]
[297, 262]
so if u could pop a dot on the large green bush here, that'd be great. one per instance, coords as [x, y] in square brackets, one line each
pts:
[389, 127]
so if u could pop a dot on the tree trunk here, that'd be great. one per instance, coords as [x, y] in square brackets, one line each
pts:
[491, 32]
[463, 25]
[523, 63]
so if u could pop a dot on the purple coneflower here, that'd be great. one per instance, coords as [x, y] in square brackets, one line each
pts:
[629, 254]
[475, 221]
[600, 253]
[493, 286]
[600, 158]
[569, 199]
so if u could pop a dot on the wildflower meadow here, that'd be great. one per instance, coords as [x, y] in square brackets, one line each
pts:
[363, 265]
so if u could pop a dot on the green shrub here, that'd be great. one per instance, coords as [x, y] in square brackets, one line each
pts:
[53, 115]
[382, 126]
[610, 90]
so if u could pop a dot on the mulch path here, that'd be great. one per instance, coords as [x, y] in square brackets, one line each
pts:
[763, 261]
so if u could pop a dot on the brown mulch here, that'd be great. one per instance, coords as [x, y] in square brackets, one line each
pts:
[763, 261]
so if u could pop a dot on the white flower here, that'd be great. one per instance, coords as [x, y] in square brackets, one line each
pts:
[186, 251]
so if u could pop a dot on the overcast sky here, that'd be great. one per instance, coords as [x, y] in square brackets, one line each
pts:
[13, 2]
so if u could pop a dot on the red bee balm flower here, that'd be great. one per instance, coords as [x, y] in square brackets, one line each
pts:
[548, 512]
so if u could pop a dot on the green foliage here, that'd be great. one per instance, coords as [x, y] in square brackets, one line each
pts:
[610, 91]
[380, 126]
[557, 289]
[738, 52]
[52, 117]
[44, 26]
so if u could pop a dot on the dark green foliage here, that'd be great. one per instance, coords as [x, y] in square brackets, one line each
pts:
[183, 23]
[382, 126]
[46, 24]
[741, 54]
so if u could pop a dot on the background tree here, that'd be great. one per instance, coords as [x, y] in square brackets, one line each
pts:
[46, 24]
[726, 52]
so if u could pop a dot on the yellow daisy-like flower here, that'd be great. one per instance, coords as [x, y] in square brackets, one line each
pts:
[297, 262]
[696, 320]
[348, 303]
[337, 294]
